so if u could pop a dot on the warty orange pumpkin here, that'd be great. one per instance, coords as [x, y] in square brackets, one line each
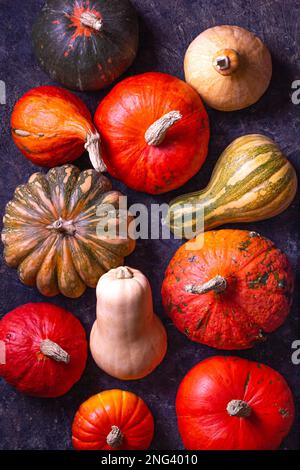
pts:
[227, 288]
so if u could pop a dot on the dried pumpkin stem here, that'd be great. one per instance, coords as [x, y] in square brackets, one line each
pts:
[66, 227]
[124, 273]
[54, 351]
[92, 145]
[239, 408]
[91, 20]
[226, 61]
[115, 437]
[217, 284]
[156, 133]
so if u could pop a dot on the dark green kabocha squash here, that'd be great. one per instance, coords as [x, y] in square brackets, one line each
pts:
[86, 44]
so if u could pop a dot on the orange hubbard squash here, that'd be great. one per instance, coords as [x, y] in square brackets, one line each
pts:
[52, 126]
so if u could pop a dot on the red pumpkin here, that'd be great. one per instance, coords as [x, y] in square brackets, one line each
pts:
[226, 288]
[113, 420]
[154, 131]
[45, 349]
[228, 403]
[52, 126]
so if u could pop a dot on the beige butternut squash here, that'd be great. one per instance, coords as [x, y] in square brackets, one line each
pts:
[128, 341]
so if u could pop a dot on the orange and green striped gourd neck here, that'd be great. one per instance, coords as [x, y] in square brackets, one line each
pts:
[251, 181]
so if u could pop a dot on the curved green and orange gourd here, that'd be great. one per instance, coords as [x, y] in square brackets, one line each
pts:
[251, 181]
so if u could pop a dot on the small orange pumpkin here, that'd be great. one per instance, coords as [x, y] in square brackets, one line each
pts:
[113, 420]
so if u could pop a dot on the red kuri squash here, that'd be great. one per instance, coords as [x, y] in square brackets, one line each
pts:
[45, 349]
[113, 420]
[227, 287]
[52, 126]
[154, 131]
[229, 403]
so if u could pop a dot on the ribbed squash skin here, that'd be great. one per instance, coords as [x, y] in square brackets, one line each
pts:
[96, 416]
[251, 181]
[257, 298]
[68, 258]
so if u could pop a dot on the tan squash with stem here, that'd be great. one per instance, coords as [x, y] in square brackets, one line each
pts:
[128, 341]
[229, 66]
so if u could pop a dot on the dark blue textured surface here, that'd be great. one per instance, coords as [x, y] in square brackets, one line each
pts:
[167, 27]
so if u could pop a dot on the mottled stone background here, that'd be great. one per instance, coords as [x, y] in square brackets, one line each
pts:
[167, 27]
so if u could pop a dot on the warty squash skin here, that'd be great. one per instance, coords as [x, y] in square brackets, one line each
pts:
[45, 349]
[52, 126]
[50, 231]
[86, 44]
[154, 132]
[113, 420]
[251, 181]
[227, 288]
[128, 341]
[229, 403]
[229, 66]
